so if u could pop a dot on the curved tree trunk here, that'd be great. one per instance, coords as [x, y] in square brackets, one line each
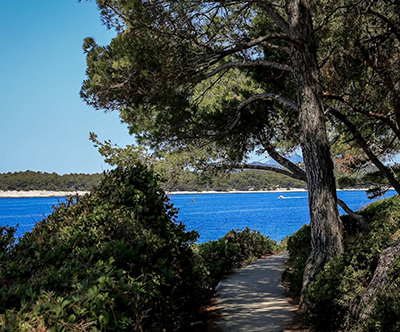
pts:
[357, 217]
[326, 226]
[380, 279]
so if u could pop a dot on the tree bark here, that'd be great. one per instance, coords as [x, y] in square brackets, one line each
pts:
[379, 280]
[326, 226]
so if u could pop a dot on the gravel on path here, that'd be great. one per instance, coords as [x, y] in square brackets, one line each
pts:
[252, 299]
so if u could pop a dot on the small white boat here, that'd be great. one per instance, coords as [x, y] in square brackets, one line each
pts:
[281, 197]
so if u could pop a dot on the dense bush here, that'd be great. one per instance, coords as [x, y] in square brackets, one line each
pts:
[109, 261]
[334, 297]
[234, 250]
[299, 247]
[114, 260]
[30, 180]
[386, 314]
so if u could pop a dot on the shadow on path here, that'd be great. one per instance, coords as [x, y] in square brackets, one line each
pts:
[253, 299]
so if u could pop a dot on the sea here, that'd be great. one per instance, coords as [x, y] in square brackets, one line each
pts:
[212, 215]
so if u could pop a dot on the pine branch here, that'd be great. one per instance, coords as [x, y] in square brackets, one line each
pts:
[270, 8]
[273, 96]
[272, 169]
[237, 64]
[363, 144]
[384, 119]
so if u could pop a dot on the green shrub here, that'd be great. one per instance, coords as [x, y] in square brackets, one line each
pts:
[334, 297]
[385, 316]
[7, 239]
[299, 247]
[235, 249]
[113, 260]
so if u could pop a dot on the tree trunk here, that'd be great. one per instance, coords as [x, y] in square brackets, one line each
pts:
[380, 279]
[326, 226]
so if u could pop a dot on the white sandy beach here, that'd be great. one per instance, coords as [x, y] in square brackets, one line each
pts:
[235, 191]
[38, 193]
[46, 193]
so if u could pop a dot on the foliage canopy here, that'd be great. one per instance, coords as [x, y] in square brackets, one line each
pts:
[112, 260]
[334, 297]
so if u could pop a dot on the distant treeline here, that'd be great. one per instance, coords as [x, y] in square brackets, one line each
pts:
[246, 180]
[30, 180]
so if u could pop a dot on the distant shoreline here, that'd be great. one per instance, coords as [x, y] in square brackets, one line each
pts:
[236, 191]
[292, 190]
[38, 193]
[48, 193]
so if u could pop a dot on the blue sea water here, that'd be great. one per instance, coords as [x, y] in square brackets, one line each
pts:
[212, 215]
[26, 212]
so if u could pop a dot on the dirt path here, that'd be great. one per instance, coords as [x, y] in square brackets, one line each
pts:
[253, 299]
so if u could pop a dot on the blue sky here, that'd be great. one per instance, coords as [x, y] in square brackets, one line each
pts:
[44, 125]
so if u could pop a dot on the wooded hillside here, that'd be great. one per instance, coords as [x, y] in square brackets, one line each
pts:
[246, 180]
[30, 180]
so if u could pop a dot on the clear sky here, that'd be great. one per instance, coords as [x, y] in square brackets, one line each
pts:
[44, 125]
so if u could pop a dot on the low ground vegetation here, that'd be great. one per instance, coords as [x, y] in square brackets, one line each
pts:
[234, 250]
[114, 260]
[299, 247]
[333, 300]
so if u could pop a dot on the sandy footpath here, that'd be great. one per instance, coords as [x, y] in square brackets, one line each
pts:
[38, 193]
[252, 299]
